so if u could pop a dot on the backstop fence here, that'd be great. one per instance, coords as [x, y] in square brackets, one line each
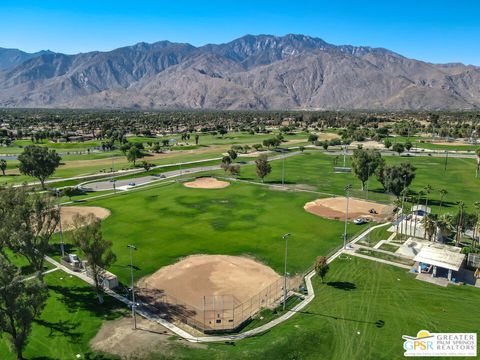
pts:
[216, 313]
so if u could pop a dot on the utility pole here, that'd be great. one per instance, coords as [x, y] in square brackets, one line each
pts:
[285, 237]
[134, 305]
[347, 194]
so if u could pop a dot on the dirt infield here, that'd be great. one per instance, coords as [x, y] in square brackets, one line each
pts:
[334, 208]
[68, 212]
[212, 292]
[198, 275]
[207, 183]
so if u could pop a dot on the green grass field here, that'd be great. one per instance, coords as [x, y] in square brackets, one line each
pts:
[360, 312]
[426, 143]
[95, 162]
[172, 221]
[70, 319]
[316, 170]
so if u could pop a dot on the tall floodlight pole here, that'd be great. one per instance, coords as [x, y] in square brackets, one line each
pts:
[62, 245]
[347, 195]
[285, 237]
[132, 247]
[344, 155]
[403, 199]
[446, 160]
[113, 179]
[283, 171]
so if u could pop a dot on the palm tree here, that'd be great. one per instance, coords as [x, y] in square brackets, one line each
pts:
[430, 226]
[427, 189]
[443, 193]
[420, 195]
[476, 205]
[445, 225]
[398, 206]
[461, 207]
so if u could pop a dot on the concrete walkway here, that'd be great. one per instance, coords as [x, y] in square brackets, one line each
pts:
[353, 253]
[143, 310]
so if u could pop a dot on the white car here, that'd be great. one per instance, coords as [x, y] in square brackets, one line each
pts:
[360, 221]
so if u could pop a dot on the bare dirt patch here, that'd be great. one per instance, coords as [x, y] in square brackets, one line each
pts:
[367, 144]
[68, 212]
[117, 337]
[334, 208]
[327, 136]
[207, 183]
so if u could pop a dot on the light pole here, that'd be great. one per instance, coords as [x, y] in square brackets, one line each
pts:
[285, 237]
[113, 178]
[132, 247]
[347, 193]
[62, 246]
[403, 200]
[283, 171]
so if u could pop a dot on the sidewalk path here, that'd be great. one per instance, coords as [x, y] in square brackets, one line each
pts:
[143, 310]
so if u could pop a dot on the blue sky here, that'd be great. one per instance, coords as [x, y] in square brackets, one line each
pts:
[436, 31]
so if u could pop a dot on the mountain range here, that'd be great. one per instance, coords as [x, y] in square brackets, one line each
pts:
[252, 72]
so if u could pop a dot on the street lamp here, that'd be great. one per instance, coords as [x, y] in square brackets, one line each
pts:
[62, 246]
[347, 195]
[132, 247]
[113, 178]
[285, 237]
[404, 191]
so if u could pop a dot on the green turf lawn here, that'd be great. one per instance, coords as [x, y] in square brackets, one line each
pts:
[360, 312]
[316, 169]
[171, 221]
[425, 143]
[72, 316]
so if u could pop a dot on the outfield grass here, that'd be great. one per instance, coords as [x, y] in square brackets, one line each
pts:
[376, 235]
[360, 312]
[170, 221]
[316, 170]
[72, 316]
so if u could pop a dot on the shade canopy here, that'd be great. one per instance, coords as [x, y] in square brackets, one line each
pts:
[444, 256]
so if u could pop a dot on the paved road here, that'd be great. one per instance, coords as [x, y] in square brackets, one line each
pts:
[125, 184]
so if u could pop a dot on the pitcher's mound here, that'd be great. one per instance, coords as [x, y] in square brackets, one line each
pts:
[68, 212]
[207, 183]
[334, 208]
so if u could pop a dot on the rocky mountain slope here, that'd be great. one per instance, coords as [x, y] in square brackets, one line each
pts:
[252, 72]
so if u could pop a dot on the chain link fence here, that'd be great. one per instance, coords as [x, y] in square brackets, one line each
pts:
[215, 313]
